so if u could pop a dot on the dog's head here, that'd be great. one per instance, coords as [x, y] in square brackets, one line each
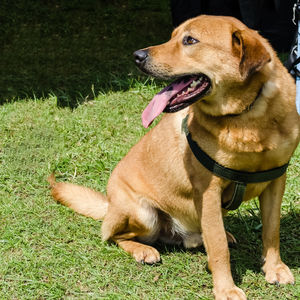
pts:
[207, 56]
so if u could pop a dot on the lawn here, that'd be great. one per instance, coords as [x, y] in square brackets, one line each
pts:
[74, 105]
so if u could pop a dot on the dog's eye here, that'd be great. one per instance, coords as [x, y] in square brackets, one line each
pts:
[188, 40]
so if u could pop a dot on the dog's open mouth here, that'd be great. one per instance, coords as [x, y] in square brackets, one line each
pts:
[176, 96]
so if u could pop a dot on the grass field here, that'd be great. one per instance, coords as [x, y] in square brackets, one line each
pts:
[48, 251]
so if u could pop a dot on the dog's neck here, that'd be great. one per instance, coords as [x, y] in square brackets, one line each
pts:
[248, 107]
[232, 100]
[233, 123]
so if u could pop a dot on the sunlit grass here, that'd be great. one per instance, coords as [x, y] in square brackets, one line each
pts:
[49, 252]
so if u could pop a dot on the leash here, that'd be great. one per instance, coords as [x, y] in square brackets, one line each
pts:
[296, 13]
[240, 178]
[293, 61]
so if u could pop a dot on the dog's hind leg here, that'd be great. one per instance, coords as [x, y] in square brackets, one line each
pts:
[140, 252]
[131, 226]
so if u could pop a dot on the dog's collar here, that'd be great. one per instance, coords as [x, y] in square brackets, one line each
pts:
[240, 178]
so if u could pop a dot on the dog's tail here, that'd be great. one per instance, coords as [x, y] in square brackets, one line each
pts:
[83, 200]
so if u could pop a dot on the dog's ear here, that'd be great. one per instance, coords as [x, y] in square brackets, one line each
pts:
[252, 53]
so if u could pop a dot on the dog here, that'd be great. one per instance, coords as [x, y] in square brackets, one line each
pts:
[237, 102]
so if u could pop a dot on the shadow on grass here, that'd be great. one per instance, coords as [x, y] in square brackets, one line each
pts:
[246, 254]
[75, 49]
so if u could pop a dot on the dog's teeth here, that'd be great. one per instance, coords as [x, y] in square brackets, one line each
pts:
[196, 82]
[200, 80]
[193, 84]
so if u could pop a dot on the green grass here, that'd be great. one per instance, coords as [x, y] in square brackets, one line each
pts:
[48, 251]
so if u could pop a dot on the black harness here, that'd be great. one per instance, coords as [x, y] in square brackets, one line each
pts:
[240, 178]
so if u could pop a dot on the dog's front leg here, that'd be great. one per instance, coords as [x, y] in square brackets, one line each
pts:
[208, 205]
[270, 203]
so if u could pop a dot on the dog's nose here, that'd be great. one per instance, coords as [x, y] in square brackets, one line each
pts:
[140, 56]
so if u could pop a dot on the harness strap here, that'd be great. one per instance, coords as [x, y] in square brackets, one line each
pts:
[241, 178]
[237, 197]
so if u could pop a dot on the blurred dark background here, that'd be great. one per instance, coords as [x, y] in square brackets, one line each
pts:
[272, 18]
[75, 48]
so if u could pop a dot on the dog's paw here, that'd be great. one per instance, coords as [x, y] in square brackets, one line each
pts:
[278, 274]
[234, 293]
[146, 254]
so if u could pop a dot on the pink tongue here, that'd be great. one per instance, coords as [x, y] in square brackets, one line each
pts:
[161, 100]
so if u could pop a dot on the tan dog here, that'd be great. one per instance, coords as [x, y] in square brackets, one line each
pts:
[241, 112]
